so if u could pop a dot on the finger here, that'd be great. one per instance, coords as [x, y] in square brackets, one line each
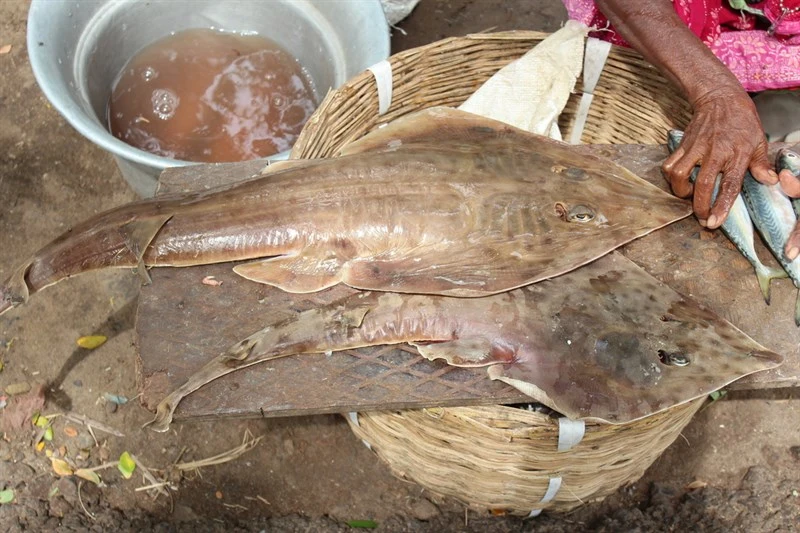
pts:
[704, 188]
[673, 158]
[792, 249]
[681, 185]
[678, 174]
[760, 167]
[729, 188]
[789, 183]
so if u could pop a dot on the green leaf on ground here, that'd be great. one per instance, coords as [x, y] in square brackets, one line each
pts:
[363, 524]
[717, 395]
[126, 465]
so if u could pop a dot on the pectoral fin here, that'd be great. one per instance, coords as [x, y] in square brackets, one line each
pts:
[471, 272]
[467, 352]
[302, 273]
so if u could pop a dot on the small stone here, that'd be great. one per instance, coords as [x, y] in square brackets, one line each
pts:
[18, 388]
[111, 407]
[795, 451]
[78, 383]
[84, 441]
[424, 510]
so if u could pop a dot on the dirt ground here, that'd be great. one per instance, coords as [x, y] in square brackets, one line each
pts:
[741, 454]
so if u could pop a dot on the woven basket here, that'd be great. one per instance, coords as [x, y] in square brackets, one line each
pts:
[633, 103]
[503, 458]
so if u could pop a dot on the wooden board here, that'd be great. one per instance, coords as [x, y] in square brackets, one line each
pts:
[182, 323]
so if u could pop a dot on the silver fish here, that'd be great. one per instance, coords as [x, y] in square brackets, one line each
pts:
[774, 217]
[738, 227]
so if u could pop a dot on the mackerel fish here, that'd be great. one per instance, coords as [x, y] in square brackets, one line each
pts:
[775, 218]
[738, 227]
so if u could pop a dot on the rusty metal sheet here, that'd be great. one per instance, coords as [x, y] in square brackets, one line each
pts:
[182, 323]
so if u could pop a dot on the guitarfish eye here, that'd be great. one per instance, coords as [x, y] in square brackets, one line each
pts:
[580, 213]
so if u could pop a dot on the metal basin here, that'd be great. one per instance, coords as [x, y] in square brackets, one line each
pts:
[78, 48]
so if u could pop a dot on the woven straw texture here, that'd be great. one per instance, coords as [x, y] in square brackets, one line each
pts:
[502, 458]
[633, 103]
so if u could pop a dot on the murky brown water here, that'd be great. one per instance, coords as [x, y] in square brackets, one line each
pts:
[208, 96]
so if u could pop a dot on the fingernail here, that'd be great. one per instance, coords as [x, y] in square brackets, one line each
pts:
[773, 175]
[702, 222]
[792, 253]
[712, 221]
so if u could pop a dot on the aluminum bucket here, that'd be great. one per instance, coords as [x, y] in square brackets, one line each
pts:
[78, 48]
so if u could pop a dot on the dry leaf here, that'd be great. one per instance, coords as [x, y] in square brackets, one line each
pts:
[88, 475]
[20, 409]
[696, 484]
[70, 431]
[6, 48]
[61, 467]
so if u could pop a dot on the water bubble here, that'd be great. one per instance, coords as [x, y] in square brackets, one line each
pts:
[149, 74]
[165, 103]
[278, 101]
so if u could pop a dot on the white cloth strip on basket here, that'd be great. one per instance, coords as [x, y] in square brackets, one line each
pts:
[353, 416]
[593, 62]
[570, 433]
[383, 81]
[552, 489]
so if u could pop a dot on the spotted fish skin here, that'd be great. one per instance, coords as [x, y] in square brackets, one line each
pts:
[738, 227]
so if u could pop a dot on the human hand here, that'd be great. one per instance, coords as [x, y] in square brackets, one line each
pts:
[788, 166]
[724, 136]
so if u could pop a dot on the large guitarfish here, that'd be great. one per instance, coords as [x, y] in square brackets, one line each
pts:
[440, 202]
[606, 341]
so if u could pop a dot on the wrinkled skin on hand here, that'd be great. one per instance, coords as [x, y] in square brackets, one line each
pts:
[725, 136]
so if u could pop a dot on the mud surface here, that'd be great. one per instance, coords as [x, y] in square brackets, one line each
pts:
[736, 467]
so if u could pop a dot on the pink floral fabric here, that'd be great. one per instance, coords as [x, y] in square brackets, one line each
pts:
[762, 52]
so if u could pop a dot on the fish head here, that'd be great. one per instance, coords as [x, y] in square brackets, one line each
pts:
[788, 160]
[605, 205]
[674, 139]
